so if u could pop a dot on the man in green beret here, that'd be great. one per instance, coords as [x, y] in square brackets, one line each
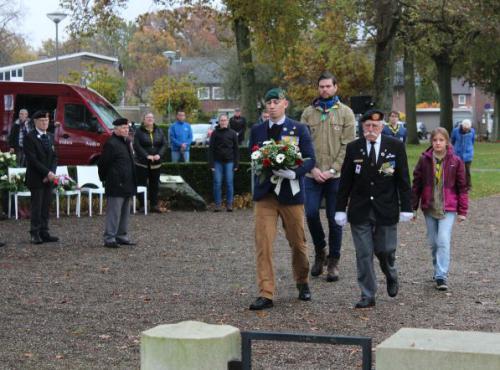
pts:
[285, 201]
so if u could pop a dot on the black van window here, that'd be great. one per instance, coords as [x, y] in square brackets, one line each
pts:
[78, 117]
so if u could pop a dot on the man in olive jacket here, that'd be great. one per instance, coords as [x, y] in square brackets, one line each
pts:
[117, 172]
[332, 125]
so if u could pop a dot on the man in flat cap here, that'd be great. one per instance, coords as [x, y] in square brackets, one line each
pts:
[285, 202]
[332, 126]
[375, 189]
[41, 163]
[117, 172]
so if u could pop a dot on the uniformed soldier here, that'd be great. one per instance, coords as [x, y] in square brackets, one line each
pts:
[375, 187]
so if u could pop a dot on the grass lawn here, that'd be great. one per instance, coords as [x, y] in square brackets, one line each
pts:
[486, 157]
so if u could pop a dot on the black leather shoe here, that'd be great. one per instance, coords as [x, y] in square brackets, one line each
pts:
[392, 287]
[47, 238]
[2, 244]
[112, 245]
[35, 239]
[365, 303]
[304, 292]
[261, 303]
[125, 242]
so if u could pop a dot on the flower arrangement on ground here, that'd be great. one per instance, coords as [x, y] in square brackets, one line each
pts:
[64, 183]
[274, 156]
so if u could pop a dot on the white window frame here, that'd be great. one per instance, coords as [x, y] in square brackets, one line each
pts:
[203, 93]
[218, 93]
[462, 100]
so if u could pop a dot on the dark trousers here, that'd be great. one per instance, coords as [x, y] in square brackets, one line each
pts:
[315, 192]
[151, 178]
[40, 203]
[467, 175]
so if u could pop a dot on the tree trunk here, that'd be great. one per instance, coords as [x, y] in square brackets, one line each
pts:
[444, 67]
[495, 134]
[247, 70]
[387, 20]
[410, 96]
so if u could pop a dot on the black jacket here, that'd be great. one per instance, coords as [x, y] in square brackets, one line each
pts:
[239, 125]
[117, 168]
[223, 147]
[14, 133]
[39, 161]
[143, 146]
[365, 187]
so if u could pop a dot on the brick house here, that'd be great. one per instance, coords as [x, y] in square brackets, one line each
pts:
[208, 77]
[44, 70]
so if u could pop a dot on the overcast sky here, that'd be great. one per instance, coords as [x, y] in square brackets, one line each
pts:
[36, 27]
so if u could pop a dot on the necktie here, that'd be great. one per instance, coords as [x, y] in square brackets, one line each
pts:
[373, 157]
[45, 142]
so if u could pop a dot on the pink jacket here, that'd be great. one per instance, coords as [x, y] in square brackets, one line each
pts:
[455, 194]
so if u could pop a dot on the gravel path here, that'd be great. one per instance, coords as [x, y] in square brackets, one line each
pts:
[77, 305]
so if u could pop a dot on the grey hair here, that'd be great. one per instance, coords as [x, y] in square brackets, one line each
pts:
[466, 123]
[24, 111]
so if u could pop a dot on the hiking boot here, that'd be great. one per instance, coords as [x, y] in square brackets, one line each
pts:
[319, 261]
[333, 269]
[441, 284]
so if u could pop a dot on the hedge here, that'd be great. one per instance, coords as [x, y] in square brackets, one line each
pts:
[200, 154]
[199, 176]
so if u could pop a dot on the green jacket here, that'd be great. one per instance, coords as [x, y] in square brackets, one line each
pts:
[331, 135]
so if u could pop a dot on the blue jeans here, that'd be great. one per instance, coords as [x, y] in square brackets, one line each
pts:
[176, 156]
[439, 235]
[223, 170]
[315, 192]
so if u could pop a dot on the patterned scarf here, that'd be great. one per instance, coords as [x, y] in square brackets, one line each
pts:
[325, 105]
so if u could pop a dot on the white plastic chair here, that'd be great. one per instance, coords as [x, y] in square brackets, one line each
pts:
[16, 194]
[141, 189]
[89, 175]
[60, 171]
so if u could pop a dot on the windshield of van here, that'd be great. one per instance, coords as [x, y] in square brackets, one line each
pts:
[107, 113]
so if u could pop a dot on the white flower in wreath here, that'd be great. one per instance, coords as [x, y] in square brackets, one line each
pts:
[256, 155]
[275, 179]
[280, 158]
[267, 142]
[1, 159]
[7, 155]
[3, 178]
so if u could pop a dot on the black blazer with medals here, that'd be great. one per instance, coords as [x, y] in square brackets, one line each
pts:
[384, 187]
[39, 162]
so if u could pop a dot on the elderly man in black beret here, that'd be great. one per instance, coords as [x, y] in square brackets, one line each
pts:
[41, 163]
[117, 172]
[375, 187]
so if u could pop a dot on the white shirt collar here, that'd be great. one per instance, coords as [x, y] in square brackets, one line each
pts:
[377, 146]
[40, 131]
[279, 122]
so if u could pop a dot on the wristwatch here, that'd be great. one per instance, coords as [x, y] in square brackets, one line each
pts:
[332, 171]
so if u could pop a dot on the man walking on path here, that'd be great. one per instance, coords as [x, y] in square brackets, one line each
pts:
[462, 138]
[332, 126]
[375, 183]
[272, 204]
[117, 172]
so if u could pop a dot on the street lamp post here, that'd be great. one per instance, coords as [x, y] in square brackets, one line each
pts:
[170, 55]
[57, 17]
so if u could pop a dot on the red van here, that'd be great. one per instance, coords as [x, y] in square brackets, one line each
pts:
[85, 118]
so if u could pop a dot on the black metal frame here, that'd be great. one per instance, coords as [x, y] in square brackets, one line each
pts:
[248, 336]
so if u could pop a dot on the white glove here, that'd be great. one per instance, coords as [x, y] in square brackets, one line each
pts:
[341, 218]
[286, 174]
[405, 216]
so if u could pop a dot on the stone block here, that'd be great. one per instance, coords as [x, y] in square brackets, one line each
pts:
[439, 349]
[190, 345]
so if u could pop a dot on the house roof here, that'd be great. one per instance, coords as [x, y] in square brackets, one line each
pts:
[62, 57]
[204, 70]
[459, 86]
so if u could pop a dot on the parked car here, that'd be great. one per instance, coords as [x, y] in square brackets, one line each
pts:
[85, 118]
[201, 133]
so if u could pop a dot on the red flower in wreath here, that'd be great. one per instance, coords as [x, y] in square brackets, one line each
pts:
[255, 148]
[266, 162]
[299, 162]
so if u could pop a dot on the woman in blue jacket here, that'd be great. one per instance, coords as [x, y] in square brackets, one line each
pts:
[462, 138]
